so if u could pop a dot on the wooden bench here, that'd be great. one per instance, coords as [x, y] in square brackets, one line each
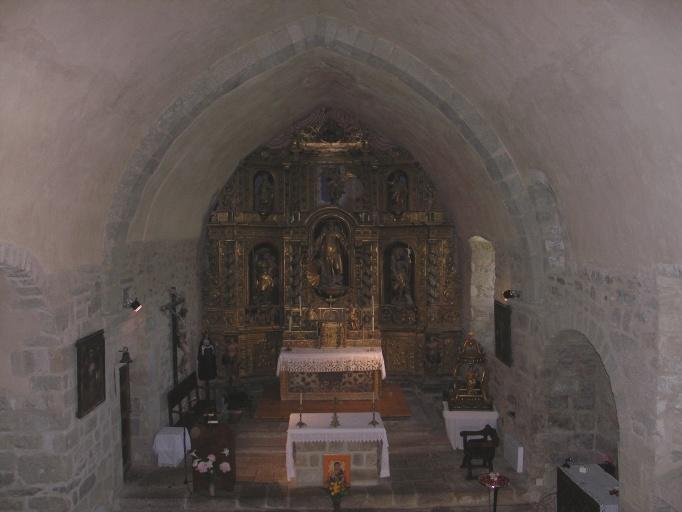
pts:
[184, 404]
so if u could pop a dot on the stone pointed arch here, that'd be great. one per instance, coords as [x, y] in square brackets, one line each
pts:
[26, 276]
[280, 46]
[636, 457]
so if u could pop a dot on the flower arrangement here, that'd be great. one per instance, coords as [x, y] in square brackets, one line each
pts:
[210, 464]
[336, 485]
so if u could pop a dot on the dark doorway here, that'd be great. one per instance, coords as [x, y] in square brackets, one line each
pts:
[124, 386]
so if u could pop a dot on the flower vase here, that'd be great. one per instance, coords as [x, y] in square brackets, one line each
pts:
[211, 486]
[336, 503]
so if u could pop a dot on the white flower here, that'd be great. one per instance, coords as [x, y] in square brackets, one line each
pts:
[226, 452]
[195, 463]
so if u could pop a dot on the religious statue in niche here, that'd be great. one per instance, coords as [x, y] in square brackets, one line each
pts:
[328, 270]
[400, 275]
[333, 184]
[398, 191]
[354, 320]
[264, 276]
[263, 193]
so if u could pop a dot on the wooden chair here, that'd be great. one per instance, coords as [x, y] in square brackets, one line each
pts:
[482, 447]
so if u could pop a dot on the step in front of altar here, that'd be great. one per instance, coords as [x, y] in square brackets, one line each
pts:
[364, 456]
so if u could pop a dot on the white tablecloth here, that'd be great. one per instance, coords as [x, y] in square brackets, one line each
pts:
[351, 359]
[354, 427]
[168, 445]
[458, 420]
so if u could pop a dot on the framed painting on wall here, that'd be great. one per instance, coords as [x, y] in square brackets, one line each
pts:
[503, 347]
[90, 372]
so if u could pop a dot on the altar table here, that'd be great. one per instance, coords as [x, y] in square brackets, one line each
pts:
[354, 427]
[169, 447]
[458, 420]
[323, 373]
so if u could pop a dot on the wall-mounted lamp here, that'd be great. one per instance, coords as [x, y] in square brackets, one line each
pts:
[128, 302]
[125, 356]
[135, 305]
[511, 294]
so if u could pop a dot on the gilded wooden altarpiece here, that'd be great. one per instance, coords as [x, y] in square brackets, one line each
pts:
[332, 216]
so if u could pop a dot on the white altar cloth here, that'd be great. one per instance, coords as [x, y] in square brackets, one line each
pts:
[458, 420]
[168, 445]
[354, 427]
[350, 359]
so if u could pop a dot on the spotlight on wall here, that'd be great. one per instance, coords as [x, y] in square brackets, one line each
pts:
[135, 305]
[129, 302]
[511, 294]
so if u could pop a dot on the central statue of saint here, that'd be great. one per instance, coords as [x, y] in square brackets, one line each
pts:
[327, 273]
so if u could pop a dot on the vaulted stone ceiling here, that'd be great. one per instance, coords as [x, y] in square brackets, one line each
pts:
[119, 115]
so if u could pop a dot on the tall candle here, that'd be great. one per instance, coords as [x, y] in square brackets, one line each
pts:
[290, 318]
[372, 313]
[300, 306]
[300, 399]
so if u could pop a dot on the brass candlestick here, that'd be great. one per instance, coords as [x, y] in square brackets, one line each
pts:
[374, 421]
[300, 423]
[335, 417]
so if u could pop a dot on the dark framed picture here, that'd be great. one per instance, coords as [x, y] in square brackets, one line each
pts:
[503, 346]
[90, 368]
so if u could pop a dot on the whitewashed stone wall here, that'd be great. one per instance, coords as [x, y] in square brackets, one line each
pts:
[618, 314]
[49, 459]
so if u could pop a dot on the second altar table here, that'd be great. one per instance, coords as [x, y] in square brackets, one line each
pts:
[325, 373]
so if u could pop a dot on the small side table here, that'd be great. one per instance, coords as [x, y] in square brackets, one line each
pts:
[493, 481]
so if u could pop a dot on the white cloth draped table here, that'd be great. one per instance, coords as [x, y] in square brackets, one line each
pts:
[168, 445]
[354, 428]
[351, 359]
[459, 420]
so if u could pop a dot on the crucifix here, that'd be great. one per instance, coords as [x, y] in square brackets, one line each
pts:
[173, 308]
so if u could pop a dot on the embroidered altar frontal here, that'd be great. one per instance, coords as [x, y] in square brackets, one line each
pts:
[319, 374]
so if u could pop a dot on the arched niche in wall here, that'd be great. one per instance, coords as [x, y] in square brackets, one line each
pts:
[582, 420]
[264, 275]
[329, 269]
[399, 284]
[397, 193]
[263, 193]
